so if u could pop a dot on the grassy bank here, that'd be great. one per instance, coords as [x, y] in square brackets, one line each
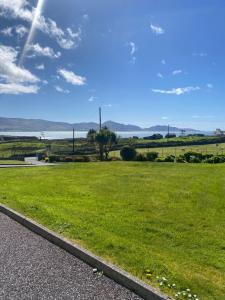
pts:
[168, 218]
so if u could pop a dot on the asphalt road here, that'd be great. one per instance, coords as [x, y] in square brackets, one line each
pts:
[33, 268]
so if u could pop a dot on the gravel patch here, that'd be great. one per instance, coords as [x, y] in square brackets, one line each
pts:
[33, 268]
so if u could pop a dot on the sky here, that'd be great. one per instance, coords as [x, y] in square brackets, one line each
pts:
[145, 62]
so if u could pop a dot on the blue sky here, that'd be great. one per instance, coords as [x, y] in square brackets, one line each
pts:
[145, 62]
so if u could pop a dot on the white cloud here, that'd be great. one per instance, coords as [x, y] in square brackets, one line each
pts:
[61, 90]
[71, 77]
[37, 50]
[14, 79]
[160, 75]
[157, 30]
[40, 67]
[176, 72]
[177, 91]
[165, 118]
[163, 62]
[201, 54]
[7, 31]
[16, 89]
[133, 50]
[9, 71]
[209, 85]
[107, 105]
[92, 98]
[21, 9]
[85, 17]
[21, 30]
[203, 117]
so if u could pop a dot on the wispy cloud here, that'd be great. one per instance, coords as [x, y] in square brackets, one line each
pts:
[40, 67]
[177, 91]
[209, 85]
[37, 50]
[16, 89]
[133, 50]
[21, 9]
[163, 62]
[107, 105]
[8, 31]
[92, 99]
[157, 29]
[71, 77]
[21, 30]
[203, 117]
[61, 90]
[160, 75]
[201, 54]
[176, 72]
[165, 118]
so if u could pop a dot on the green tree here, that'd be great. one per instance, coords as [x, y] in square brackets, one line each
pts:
[91, 136]
[105, 139]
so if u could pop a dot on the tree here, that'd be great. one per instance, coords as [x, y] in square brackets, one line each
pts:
[128, 153]
[151, 156]
[105, 140]
[91, 136]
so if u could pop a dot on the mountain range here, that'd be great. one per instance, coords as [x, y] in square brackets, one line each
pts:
[19, 124]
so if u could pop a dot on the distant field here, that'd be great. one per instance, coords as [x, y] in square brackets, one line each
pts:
[12, 162]
[164, 151]
[167, 218]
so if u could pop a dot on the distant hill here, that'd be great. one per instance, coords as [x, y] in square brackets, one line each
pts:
[18, 124]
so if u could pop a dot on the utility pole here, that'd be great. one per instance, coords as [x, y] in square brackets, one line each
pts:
[100, 118]
[168, 130]
[73, 140]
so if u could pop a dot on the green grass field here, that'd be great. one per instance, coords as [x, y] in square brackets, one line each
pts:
[12, 162]
[215, 149]
[167, 218]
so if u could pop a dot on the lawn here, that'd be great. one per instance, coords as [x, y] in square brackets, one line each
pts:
[12, 162]
[167, 218]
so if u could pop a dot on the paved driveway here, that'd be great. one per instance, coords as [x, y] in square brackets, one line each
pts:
[33, 268]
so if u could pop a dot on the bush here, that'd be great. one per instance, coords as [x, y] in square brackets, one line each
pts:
[155, 136]
[128, 153]
[68, 159]
[195, 159]
[53, 158]
[215, 159]
[141, 157]
[170, 158]
[160, 160]
[170, 135]
[180, 159]
[151, 156]
[190, 156]
[81, 158]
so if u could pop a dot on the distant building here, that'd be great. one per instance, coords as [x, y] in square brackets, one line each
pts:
[219, 132]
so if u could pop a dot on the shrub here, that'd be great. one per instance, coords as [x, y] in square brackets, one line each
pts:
[83, 158]
[180, 159]
[128, 153]
[151, 156]
[141, 157]
[170, 135]
[53, 158]
[215, 159]
[170, 158]
[160, 159]
[195, 159]
[189, 156]
[68, 159]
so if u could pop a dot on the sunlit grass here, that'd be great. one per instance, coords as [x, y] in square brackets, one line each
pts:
[161, 217]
